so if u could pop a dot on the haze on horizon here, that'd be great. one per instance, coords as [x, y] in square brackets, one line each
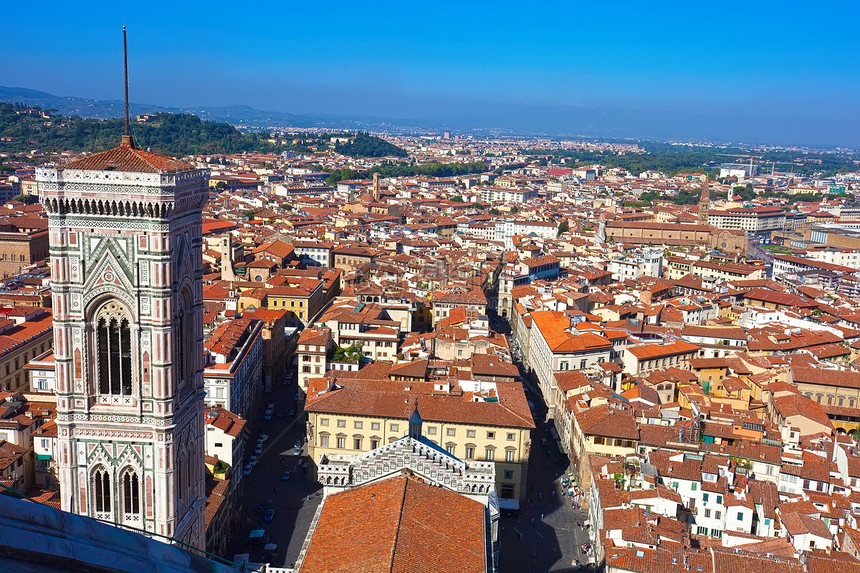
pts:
[757, 72]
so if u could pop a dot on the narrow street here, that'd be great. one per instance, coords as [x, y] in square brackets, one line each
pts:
[294, 500]
[545, 535]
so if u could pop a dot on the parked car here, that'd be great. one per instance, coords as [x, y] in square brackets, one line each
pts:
[297, 451]
[292, 411]
[270, 514]
[248, 468]
[268, 415]
[259, 449]
[253, 461]
[285, 476]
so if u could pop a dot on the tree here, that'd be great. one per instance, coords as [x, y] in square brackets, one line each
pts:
[366, 145]
[457, 199]
[26, 199]
[351, 353]
[563, 227]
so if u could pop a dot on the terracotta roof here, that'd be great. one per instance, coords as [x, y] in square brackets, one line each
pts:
[648, 351]
[568, 380]
[225, 420]
[400, 524]
[780, 299]
[553, 326]
[384, 398]
[607, 421]
[125, 158]
[734, 559]
[315, 336]
[821, 377]
[414, 369]
[799, 524]
[489, 365]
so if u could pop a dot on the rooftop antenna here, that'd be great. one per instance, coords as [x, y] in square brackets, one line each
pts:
[126, 139]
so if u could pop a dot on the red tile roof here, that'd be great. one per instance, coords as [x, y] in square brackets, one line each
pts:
[648, 351]
[384, 398]
[400, 524]
[125, 158]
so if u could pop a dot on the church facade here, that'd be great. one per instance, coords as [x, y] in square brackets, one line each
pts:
[126, 268]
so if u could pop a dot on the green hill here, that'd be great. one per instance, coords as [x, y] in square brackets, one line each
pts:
[23, 129]
[366, 145]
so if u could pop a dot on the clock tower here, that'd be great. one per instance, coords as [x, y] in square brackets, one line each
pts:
[126, 270]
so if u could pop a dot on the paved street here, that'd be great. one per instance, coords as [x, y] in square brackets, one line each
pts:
[545, 536]
[265, 486]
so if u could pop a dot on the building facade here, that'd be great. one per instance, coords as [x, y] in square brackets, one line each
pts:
[352, 417]
[126, 265]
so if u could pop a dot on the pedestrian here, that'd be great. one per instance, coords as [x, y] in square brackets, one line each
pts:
[540, 494]
[541, 517]
[553, 493]
[533, 522]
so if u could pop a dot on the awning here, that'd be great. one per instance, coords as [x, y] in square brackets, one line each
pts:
[505, 503]
[43, 457]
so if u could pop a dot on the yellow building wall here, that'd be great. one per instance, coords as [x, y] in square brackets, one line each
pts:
[363, 428]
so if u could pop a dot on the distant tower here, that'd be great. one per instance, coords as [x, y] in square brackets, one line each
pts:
[126, 271]
[376, 187]
[704, 203]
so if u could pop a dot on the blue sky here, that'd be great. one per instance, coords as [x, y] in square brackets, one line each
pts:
[785, 67]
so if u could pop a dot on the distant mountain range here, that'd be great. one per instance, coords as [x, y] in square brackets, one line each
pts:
[752, 123]
[239, 115]
[495, 119]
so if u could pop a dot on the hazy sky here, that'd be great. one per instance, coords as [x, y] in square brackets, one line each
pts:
[789, 67]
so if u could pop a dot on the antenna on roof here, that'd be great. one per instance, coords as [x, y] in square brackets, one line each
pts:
[126, 139]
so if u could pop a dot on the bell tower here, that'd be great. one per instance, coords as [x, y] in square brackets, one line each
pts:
[126, 271]
[704, 202]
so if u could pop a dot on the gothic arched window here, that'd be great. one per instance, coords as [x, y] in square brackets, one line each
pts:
[113, 349]
[101, 490]
[130, 492]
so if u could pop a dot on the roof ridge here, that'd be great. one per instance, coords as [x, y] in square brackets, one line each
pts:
[397, 525]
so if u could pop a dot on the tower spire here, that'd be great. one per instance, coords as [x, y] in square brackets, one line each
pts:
[704, 203]
[126, 139]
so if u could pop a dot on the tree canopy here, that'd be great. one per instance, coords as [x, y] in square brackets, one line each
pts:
[366, 145]
[169, 134]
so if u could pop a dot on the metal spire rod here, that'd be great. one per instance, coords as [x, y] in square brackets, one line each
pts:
[127, 140]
